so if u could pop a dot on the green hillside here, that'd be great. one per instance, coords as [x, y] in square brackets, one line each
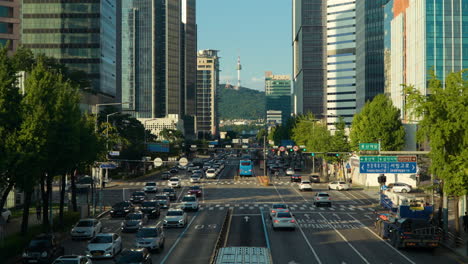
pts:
[242, 104]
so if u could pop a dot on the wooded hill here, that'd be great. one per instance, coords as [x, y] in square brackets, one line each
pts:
[244, 103]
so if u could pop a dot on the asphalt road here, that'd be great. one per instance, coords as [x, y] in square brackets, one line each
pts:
[340, 234]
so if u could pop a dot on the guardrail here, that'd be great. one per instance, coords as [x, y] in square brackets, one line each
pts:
[455, 240]
[221, 241]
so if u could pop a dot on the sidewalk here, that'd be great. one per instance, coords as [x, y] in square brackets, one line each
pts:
[14, 226]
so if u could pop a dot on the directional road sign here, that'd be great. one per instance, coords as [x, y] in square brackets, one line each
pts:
[388, 159]
[368, 146]
[108, 165]
[388, 167]
[114, 153]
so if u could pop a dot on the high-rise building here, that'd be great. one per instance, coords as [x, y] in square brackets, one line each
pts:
[309, 67]
[341, 61]
[79, 34]
[10, 23]
[278, 94]
[207, 83]
[424, 35]
[369, 50]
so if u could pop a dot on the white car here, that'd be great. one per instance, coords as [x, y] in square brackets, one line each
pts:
[73, 259]
[189, 202]
[195, 178]
[211, 173]
[283, 220]
[290, 171]
[339, 186]
[150, 187]
[278, 208]
[305, 185]
[6, 215]
[400, 187]
[174, 182]
[86, 228]
[175, 218]
[150, 237]
[104, 245]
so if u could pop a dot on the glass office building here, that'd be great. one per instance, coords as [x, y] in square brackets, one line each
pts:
[278, 95]
[309, 66]
[369, 50]
[10, 23]
[80, 34]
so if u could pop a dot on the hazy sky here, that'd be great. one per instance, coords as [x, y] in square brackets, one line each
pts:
[257, 30]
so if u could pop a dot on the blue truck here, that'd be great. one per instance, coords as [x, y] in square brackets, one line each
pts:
[408, 225]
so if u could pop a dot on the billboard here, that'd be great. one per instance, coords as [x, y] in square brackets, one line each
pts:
[158, 147]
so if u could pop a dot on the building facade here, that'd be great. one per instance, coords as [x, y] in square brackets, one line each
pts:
[207, 84]
[81, 35]
[369, 50]
[341, 61]
[156, 125]
[309, 66]
[10, 23]
[424, 35]
[278, 94]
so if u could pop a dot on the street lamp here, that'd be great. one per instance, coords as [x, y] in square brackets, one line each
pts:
[107, 130]
[96, 109]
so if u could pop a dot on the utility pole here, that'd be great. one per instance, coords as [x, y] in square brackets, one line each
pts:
[264, 156]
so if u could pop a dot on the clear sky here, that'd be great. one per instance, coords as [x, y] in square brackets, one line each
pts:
[257, 30]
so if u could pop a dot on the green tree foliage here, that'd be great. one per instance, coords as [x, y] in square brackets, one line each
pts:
[379, 119]
[241, 104]
[339, 141]
[444, 123]
[261, 133]
[312, 133]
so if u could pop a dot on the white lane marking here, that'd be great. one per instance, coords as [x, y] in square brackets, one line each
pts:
[246, 214]
[388, 244]
[182, 191]
[357, 198]
[344, 238]
[300, 194]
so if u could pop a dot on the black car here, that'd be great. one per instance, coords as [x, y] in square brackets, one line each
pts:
[315, 178]
[138, 197]
[42, 249]
[171, 193]
[134, 256]
[122, 209]
[296, 178]
[173, 170]
[134, 221]
[163, 201]
[166, 175]
[151, 208]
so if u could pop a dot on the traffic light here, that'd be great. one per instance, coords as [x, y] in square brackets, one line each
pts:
[333, 154]
[312, 154]
[304, 149]
[291, 150]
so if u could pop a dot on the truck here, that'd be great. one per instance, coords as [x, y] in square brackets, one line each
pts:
[407, 224]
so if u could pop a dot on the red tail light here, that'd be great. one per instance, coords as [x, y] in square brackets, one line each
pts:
[273, 211]
[276, 221]
[293, 221]
[317, 199]
[329, 199]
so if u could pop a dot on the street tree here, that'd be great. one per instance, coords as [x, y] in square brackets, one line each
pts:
[261, 133]
[378, 120]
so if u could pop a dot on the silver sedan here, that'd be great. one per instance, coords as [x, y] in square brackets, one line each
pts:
[283, 220]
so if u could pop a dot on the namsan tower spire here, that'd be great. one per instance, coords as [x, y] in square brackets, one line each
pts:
[239, 68]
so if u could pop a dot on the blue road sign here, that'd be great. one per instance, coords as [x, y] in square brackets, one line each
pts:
[387, 167]
[108, 166]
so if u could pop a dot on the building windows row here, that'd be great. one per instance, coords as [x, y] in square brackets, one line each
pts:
[341, 12]
[342, 34]
[341, 4]
[341, 85]
[63, 15]
[341, 55]
[341, 27]
[341, 100]
[342, 70]
[341, 42]
[342, 78]
[341, 19]
[341, 108]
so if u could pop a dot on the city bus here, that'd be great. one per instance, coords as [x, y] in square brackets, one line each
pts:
[245, 168]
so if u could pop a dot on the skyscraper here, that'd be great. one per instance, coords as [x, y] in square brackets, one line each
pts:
[369, 50]
[309, 68]
[10, 23]
[81, 35]
[207, 83]
[341, 61]
[278, 94]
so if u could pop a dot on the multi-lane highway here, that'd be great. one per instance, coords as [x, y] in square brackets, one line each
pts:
[340, 234]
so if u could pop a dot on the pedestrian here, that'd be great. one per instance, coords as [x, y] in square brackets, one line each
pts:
[465, 221]
[38, 211]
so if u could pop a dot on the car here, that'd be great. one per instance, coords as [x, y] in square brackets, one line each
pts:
[339, 186]
[182, 167]
[73, 259]
[121, 209]
[290, 171]
[134, 256]
[175, 218]
[201, 172]
[150, 208]
[174, 182]
[314, 178]
[6, 215]
[195, 190]
[166, 175]
[279, 207]
[190, 202]
[134, 221]
[305, 186]
[150, 187]
[150, 237]
[400, 187]
[174, 170]
[138, 197]
[211, 173]
[296, 178]
[163, 201]
[283, 220]
[171, 193]
[85, 182]
[104, 245]
[42, 249]
[322, 198]
[86, 228]
[195, 178]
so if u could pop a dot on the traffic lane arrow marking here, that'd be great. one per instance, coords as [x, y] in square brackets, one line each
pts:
[246, 218]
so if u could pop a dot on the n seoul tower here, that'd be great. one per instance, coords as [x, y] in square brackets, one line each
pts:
[239, 68]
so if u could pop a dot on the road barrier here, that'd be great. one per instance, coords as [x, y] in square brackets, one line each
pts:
[264, 180]
[222, 237]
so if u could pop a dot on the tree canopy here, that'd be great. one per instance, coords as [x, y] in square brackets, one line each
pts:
[378, 120]
[443, 116]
